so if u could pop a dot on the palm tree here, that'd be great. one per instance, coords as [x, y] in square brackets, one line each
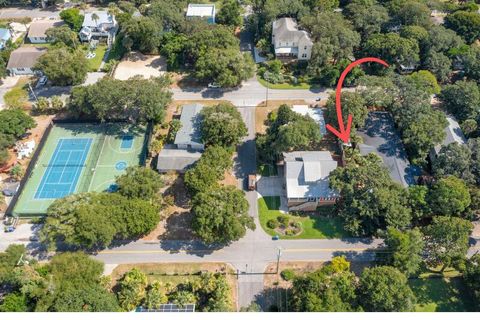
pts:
[95, 18]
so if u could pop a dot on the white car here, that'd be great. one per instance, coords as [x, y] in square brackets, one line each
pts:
[90, 55]
[214, 85]
[42, 81]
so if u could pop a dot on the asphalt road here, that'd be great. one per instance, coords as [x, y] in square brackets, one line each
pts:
[251, 93]
[28, 12]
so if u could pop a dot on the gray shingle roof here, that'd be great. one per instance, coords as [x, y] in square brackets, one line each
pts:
[190, 133]
[39, 27]
[176, 159]
[380, 137]
[25, 57]
[453, 134]
[306, 174]
[286, 29]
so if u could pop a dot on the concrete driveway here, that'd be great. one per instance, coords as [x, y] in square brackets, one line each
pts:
[271, 186]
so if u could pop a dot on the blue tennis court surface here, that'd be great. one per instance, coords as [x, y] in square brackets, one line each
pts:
[127, 142]
[64, 169]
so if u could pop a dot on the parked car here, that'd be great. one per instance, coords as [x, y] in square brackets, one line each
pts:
[41, 81]
[8, 193]
[214, 85]
[9, 229]
[276, 237]
[252, 182]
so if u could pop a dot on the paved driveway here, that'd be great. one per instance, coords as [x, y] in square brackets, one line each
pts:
[271, 186]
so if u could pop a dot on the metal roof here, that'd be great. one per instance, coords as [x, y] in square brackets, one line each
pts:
[200, 10]
[286, 30]
[314, 113]
[169, 307]
[380, 137]
[176, 159]
[306, 174]
[190, 133]
[103, 17]
[453, 134]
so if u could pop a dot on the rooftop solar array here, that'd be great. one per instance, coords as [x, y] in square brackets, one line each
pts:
[170, 307]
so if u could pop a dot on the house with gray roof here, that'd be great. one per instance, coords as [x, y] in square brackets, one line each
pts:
[204, 11]
[289, 41]
[187, 147]
[23, 59]
[453, 133]
[381, 138]
[38, 28]
[306, 179]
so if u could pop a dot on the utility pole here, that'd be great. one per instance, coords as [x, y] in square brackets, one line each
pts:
[266, 97]
[279, 254]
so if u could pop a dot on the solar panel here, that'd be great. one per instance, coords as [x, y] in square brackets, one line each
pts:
[169, 307]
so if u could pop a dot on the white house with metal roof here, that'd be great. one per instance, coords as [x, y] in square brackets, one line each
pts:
[306, 179]
[289, 41]
[201, 11]
[98, 24]
[187, 147]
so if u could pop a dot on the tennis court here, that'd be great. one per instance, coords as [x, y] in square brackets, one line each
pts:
[80, 157]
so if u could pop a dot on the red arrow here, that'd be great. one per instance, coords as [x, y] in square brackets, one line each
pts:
[343, 134]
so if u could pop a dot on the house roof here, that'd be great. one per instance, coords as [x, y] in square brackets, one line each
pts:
[286, 29]
[306, 174]
[176, 159]
[189, 133]
[39, 27]
[314, 113]
[5, 34]
[25, 57]
[453, 134]
[103, 17]
[380, 137]
[200, 10]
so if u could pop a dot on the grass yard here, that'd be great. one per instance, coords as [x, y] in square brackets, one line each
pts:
[436, 294]
[94, 63]
[315, 226]
[284, 86]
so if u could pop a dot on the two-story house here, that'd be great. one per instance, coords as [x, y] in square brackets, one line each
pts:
[98, 24]
[289, 41]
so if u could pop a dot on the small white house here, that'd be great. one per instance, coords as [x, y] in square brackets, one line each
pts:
[23, 59]
[98, 24]
[289, 41]
[201, 11]
[37, 30]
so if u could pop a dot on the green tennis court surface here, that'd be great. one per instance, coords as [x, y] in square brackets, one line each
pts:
[80, 157]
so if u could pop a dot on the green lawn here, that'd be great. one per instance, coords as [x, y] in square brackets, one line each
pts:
[436, 294]
[315, 226]
[95, 63]
[286, 86]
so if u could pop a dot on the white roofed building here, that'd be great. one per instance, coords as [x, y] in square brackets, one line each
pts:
[306, 179]
[289, 41]
[453, 133]
[98, 24]
[201, 11]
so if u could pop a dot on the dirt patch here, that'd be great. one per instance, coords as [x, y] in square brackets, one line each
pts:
[176, 273]
[262, 111]
[177, 216]
[138, 64]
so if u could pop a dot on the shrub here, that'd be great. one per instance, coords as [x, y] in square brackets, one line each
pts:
[272, 224]
[287, 274]
[16, 98]
[273, 77]
[283, 219]
[17, 172]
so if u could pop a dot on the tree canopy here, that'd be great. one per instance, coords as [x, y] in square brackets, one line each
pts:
[221, 215]
[230, 13]
[385, 289]
[135, 99]
[72, 18]
[370, 200]
[466, 24]
[404, 250]
[222, 125]
[139, 182]
[71, 71]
